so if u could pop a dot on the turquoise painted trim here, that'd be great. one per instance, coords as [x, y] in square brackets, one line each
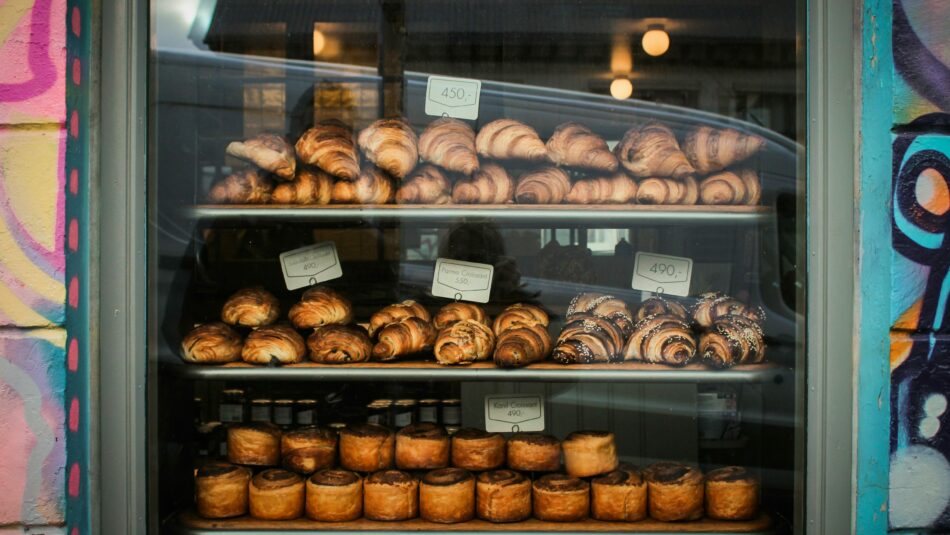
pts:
[872, 457]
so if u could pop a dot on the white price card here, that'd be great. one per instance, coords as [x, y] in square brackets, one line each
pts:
[453, 97]
[310, 265]
[511, 414]
[462, 281]
[662, 274]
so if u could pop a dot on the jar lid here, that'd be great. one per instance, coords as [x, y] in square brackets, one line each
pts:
[232, 392]
[405, 402]
[386, 401]
[452, 401]
[337, 426]
[428, 402]
[261, 401]
[283, 402]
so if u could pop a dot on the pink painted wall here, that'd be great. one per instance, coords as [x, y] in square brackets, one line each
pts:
[32, 262]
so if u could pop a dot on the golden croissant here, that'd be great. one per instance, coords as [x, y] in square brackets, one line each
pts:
[373, 186]
[392, 145]
[321, 306]
[329, 145]
[712, 149]
[396, 312]
[507, 139]
[522, 345]
[464, 342]
[728, 187]
[450, 144]
[489, 185]
[405, 337]
[668, 191]
[548, 185]
[270, 152]
[246, 186]
[310, 186]
[426, 185]
[616, 189]
[575, 145]
[458, 311]
[652, 151]
[661, 339]
[518, 315]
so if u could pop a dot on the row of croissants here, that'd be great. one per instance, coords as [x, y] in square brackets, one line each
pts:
[575, 166]
[599, 328]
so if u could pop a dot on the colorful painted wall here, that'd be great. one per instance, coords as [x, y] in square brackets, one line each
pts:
[33, 140]
[920, 334]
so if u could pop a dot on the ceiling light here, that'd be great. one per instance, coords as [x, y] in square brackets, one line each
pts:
[656, 41]
[621, 88]
[319, 41]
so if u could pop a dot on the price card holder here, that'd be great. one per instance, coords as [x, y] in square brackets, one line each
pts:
[462, 281]
[662, 274]
[512, 414]
[310, 265]
[453, 97]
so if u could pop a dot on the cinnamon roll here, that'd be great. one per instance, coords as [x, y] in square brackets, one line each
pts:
[254, 444]
[560, 498]
[334, 496]
[619, 496]
[221, 490]
[366, 447]
[458, 311]
[714, 304]
[339, 344]
[732, 340]
[503, 496]
[732, 493]
[587, 338]
[274, 345]
[533, 452]
[422, 446]
[319, 306]
[250, 307]
[589, 453]
[477, 450]
[390, 495]
[276, 494]
[211, 343]
[661, 339]
[675, 491]
[308, 449]
[464, 342]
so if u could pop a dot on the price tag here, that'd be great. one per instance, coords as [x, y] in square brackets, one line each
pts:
[511, 414]
[462, 281]
[310, 265]
[662, 274]
[453, 97]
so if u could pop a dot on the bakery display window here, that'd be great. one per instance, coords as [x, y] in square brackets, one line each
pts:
[479, 265]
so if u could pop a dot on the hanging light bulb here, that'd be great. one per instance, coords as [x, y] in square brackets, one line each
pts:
[656, 41]
[621, 88]
[319, 41]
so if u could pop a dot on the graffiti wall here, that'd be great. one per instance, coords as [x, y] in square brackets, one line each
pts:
[920, 334]
[33, 142]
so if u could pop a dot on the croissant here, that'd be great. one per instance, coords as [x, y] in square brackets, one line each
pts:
[588, 338]
[392, 145]
[753, 187]
[668, 191]
[373, 186]
[426, 185]
[321, 306]
[652, 150]
[519, 315]
[211, 343]
[250, 307]
[522, 345]
[603, 305]
[489, 185]
[714, 304]
[270, 152]
[464, 342]
[339, 344]
[246, 186]
[661, 339]
[329, 145]
[732, 340]
[396, 312]
[657, 305]
[547, 185]
[726, 188]
[458, 311]
[616, 189]
[508, 139]
[310, 186]
[450, 144]
[575, 145]
[711, 149]
[407, 336]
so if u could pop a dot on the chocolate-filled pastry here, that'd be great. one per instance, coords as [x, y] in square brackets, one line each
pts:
[276, 494]
[668, 191]
[392, 145]
[426, 185]
[390, 495]
[458, 311]
[319, 306]
[560, 498]
[334, 496]
[274, 344]
[405, 337]
[447, 496]
[575, 145]
[508, 139]
[675, 491]
[661, 339]
[250, 307]
[732, 493]
[533, 452]
[603, 305]
[732, 340]
[589, 453]
[651, 150]
[211, 343]
[310, 186]
[308, 449]
[503, 496]
[547, 185]
[221, 490]
[339, 344]
[422, 446]
[489, 185]
[464, 342]
[366, 447]
[518, 315]
[329, 145]
[270, 152]
[372, 186]
[395, 312]
[617, 188]
[711, 305]
[656, 305]
[521, 346]
[712, 149]
[254, 444]
[619, 496]
[450, 144]
[477, 450]
[244, 186]
[587, 338]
